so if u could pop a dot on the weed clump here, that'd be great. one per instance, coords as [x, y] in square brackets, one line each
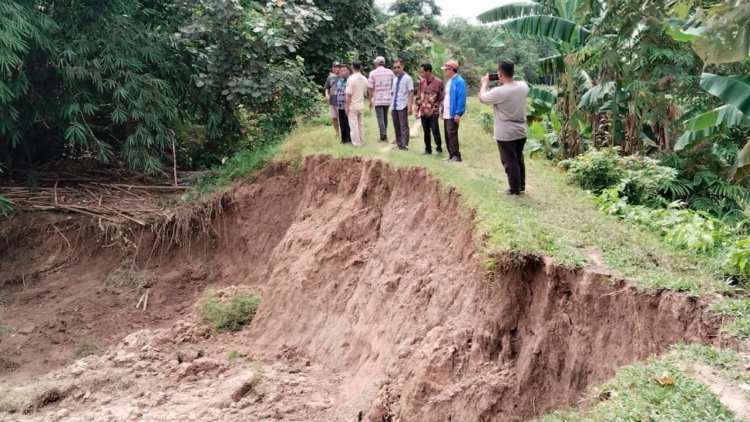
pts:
[87, 348]
[234, 355]
[126, 277]
[228, 313]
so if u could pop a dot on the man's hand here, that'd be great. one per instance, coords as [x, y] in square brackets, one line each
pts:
[486, 79]
[408, 110]
[371, 103]
[346, 110]
[456, 118]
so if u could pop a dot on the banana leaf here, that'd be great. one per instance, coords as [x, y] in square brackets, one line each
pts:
[734, 90]
[550, 29]
[516, 10]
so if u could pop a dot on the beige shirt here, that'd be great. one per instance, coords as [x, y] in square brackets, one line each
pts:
[356, 86]
[509, 103]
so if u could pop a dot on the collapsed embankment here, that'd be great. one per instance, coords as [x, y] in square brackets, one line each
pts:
[370, 274]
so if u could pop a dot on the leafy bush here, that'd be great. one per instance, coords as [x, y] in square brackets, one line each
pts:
[639, 180]
[738, 258]
[702, 183]
[595, 170]
[228, 314]
[682, 228]
[544, 138]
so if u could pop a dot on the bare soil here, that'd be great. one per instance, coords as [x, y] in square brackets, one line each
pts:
[375, 306]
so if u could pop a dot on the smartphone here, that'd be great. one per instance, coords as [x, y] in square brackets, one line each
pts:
[494, 77]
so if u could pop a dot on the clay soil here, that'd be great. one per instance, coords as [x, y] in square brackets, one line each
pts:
[375, 306]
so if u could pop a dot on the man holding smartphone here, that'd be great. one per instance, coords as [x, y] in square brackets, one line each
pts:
[509, 104]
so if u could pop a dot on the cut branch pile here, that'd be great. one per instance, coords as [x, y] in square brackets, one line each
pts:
[115, 202]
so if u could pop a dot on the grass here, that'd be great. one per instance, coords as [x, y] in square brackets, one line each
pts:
[5, 330]
[553, 219]
[634, 394]
[240, 165]
[739, 308]
[234, 355]
[87, 348]
[228, 314]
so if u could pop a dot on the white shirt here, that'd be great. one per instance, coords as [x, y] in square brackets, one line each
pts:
[447, 100]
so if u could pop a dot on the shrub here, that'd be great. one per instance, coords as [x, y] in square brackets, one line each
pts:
[639, 180]
[228, 314]
[595, 170]
[738, 258]
[544, 138]
[682, 228]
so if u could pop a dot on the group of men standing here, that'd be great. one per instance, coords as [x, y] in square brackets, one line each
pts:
[434, 100]
[394, 90]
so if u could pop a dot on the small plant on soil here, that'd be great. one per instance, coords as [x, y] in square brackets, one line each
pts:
[234, 355]
[228, 314]
[5, 330]
[87, 348]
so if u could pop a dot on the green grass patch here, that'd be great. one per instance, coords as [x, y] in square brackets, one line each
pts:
[739, 308]
[234, 355]
[553, 219]
[5, 330]
[86, 348]
[241, 165]
[634, 394]
[228, 314]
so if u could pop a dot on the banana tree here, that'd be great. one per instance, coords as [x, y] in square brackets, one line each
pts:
[566, 26]
[734, 91]
[720, 34]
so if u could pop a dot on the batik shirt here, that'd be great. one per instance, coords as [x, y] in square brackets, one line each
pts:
[430, 96]
[381, 82]
[341, 93]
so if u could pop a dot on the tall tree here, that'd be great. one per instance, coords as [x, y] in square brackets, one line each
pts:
[428, 10]
[351, 28]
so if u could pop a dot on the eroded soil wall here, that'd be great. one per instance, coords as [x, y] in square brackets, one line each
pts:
[370, 272]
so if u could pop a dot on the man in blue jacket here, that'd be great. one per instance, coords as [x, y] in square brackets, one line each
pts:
[454, 106]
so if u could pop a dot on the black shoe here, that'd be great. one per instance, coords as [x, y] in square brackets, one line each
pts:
[456, 159]
[403, 148]
[439, 151]
[383, 139]
[512, 192]
[427, 153]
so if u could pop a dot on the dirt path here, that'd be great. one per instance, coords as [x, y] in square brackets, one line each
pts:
[728, 392]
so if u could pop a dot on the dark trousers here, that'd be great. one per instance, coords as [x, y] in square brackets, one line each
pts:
[401, 126]
[451, 138]
[346, 133]
[511, 155]
[382, 114]
[430, 125]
